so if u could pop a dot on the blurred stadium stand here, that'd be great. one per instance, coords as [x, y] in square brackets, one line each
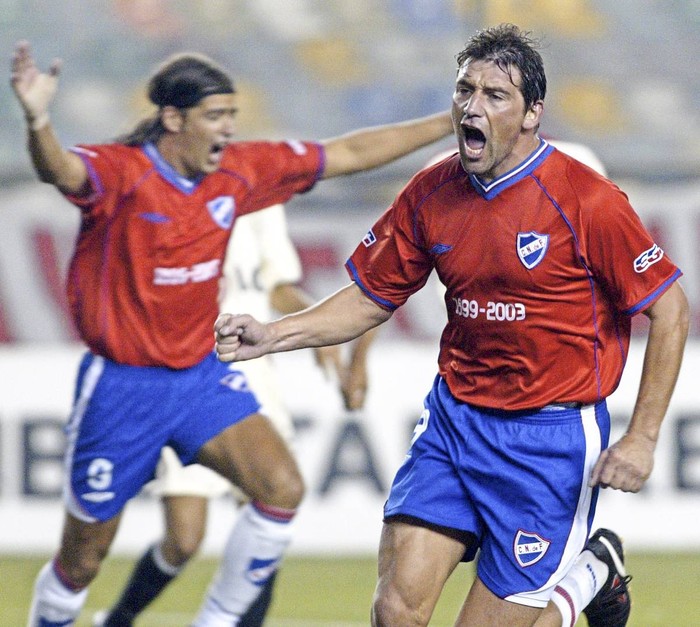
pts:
[622, 76]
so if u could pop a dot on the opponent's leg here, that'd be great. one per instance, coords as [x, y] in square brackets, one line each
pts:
[60, 589]
[254, 456]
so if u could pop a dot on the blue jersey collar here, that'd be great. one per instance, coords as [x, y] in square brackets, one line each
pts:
[170, 174]
[495, 187]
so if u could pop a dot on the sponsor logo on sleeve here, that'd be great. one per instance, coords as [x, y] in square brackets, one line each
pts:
[369, 239]
[298, 148]
[648, 258]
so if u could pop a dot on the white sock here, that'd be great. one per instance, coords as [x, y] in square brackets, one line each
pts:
[573, 593]
[253, 552]
[54, 602]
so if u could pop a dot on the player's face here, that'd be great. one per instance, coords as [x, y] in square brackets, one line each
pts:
[495, 132]
[206, 130]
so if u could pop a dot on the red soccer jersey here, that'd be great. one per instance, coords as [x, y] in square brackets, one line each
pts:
[143, 281]
[543, 269]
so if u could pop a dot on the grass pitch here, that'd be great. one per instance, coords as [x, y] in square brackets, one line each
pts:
[324, 592]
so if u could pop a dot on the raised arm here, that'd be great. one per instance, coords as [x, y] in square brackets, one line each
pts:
[35, 91]
[627, 464]
[339, 318]
[375, 146]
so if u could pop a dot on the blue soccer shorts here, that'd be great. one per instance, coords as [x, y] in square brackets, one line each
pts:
[518, 481]
[124, 415]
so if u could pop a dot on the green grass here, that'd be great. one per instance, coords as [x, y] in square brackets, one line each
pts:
[322, 592]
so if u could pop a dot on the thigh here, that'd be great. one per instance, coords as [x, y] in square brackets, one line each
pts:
[414, 564]
[533, 496]
[253, 455]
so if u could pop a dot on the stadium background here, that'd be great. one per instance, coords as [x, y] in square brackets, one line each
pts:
[623, 79]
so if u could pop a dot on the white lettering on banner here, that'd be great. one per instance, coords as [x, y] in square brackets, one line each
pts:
[348, 460]
[198, 273]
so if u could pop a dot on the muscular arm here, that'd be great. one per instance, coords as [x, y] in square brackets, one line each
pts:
[35, 92]
[339, 318]
[627, 464]
[372, 147]
[289, 298]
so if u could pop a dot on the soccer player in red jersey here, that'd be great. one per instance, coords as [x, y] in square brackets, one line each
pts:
[544, 263]
[157, 210]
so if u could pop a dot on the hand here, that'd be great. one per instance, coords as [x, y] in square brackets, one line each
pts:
[239, 337]
[626, 465]
[34, 90]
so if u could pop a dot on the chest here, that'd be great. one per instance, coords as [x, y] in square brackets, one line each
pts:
[159, 222]
[512, 243]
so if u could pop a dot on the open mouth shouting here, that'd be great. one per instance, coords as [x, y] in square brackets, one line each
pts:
[216, 151]
[474, 142]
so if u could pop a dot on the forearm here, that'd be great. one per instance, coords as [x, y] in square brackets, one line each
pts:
[372, 147]
[345, 315]
[662, 361]
[54, 164]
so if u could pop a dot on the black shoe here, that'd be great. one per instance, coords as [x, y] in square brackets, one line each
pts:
[611, 606]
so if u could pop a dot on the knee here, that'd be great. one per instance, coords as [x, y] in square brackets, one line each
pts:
[80, 567]
[284, 487]
[391, 609]
[177, 549]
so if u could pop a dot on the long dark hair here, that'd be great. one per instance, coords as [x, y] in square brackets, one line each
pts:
[181, 81]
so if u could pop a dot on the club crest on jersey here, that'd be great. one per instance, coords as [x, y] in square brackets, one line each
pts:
[531, 248]
[221, 210]
[529, 548]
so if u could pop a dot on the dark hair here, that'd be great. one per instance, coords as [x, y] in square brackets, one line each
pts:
[181, 81]
[507, 46]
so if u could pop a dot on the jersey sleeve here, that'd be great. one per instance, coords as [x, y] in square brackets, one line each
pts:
[624, 258]
[273, 172]
[105, 168]
[389, 264]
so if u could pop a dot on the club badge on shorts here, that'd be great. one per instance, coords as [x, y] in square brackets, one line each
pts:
[531, 248]
[529, 548]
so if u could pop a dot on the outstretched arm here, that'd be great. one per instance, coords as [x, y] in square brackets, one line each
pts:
[35, 91]
[339, 318]
[375, 146]
[627, 464]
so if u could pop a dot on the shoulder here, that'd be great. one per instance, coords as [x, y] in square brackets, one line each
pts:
[580, 190]
[436, 175]
[117, 154]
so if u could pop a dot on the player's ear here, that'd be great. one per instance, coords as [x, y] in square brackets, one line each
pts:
[533, 115]
[171, 118]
